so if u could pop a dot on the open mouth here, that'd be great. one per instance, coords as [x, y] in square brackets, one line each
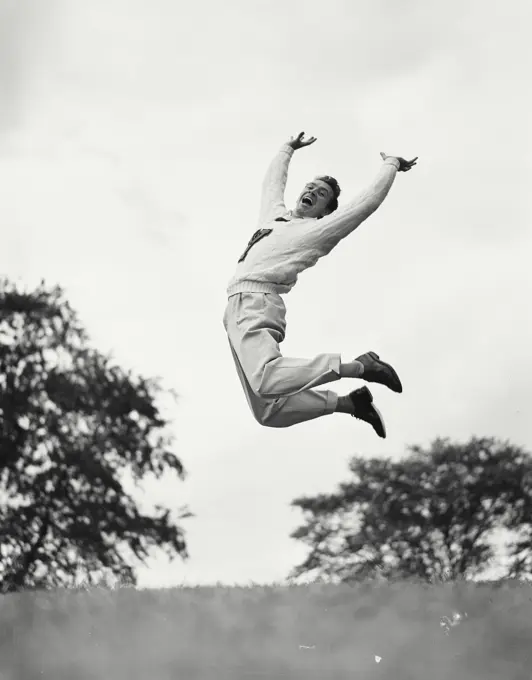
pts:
[307, 201]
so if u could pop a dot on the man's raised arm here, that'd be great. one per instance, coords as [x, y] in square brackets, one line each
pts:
[331, 229]
[274, 184]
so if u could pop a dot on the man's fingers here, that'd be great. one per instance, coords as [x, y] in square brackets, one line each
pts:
[408, 165]
[404, 165]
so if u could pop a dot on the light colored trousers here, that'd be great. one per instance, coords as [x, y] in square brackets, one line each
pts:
[279, 390]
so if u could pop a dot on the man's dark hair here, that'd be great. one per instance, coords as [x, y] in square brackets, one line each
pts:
[336, 190]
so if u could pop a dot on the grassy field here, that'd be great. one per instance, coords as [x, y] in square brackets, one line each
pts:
[399, 631]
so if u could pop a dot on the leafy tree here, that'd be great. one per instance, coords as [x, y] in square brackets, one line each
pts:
[72, 426]
[430, 515]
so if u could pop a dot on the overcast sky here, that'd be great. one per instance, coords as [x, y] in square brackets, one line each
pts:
[134, 137]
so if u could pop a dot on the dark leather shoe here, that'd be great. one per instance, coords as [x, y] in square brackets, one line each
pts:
[363, 409]
[377, 371]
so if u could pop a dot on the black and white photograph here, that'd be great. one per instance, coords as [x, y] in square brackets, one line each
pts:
[265, 331]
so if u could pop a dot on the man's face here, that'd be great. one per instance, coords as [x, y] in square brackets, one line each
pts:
[314, 200]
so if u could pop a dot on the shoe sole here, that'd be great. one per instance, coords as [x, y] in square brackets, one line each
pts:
[367, 392]
[391, 369]
[381, 419]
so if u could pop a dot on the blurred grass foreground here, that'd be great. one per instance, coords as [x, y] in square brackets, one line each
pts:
[464, 631]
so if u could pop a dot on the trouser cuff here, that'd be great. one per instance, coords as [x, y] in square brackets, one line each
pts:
[332, 402]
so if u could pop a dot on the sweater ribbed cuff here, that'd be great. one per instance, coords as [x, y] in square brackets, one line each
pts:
[392, 161]
[289, 150]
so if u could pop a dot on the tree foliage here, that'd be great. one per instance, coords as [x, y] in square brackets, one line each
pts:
[72, 425]
[431, 515]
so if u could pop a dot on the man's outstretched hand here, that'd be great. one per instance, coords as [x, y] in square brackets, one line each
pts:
[404, 166]
[299, 142]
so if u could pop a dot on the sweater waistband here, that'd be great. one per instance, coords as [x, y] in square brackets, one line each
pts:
[255, 287]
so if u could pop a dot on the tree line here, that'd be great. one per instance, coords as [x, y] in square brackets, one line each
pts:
[74, 425]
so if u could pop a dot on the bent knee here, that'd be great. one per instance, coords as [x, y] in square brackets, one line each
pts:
[272, 422]
[269, 418]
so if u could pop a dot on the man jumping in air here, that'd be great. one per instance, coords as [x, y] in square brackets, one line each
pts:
[280, 390]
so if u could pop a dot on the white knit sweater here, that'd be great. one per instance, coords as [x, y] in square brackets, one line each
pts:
[280, 250]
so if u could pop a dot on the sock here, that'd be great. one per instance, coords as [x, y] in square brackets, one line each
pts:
[354, 369]
[344, 405]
